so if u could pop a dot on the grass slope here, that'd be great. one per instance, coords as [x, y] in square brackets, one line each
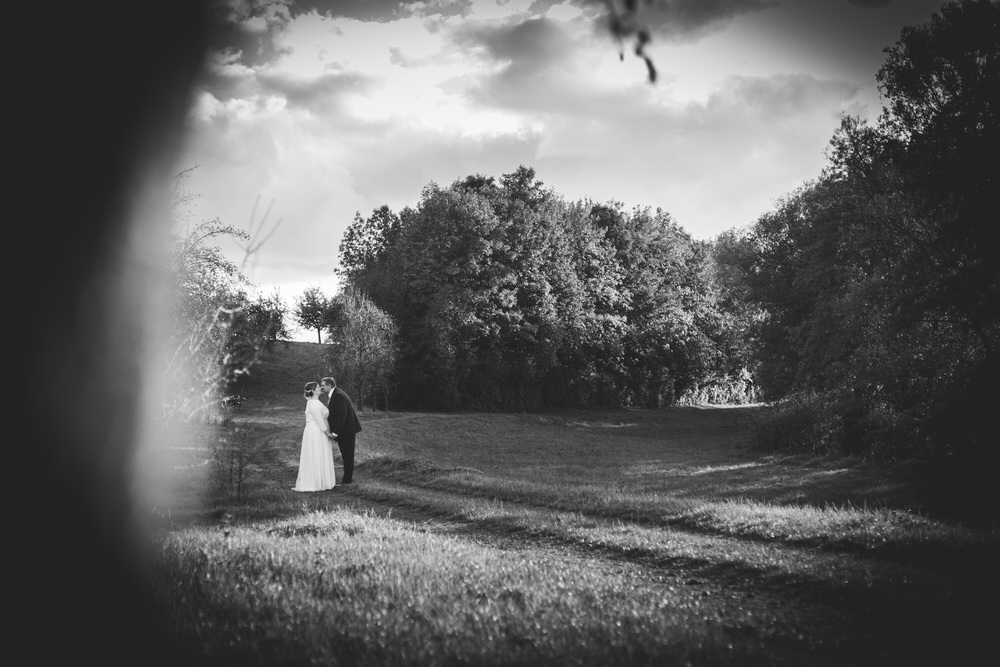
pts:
[589, 538]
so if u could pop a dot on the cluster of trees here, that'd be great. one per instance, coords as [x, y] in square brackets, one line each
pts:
[506, 296]
[878, 282]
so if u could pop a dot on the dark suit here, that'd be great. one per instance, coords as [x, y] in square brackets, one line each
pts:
[344, 422]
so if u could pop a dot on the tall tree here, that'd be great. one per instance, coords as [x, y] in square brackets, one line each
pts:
[365, 242]
[941, 81]
[363, 349]
[312, 311]
[265, 319]
[447, 287]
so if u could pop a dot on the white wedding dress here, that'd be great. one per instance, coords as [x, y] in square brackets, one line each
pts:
[316, 471]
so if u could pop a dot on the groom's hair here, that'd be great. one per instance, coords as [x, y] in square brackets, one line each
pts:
[330, 381]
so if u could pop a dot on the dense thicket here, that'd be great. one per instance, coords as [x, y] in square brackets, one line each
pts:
[508, 297]
[878, 282]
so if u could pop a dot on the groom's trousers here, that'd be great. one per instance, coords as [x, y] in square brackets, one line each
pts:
[346, 444]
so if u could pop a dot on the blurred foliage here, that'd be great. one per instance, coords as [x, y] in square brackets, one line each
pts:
[218, 325]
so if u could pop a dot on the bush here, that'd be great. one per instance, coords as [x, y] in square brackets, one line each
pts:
[724, 390]
[806, 422]
[235, 451]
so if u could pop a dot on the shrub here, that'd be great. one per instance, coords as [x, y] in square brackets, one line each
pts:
[806, 422]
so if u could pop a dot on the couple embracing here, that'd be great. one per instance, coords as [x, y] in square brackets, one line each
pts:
[330, 416]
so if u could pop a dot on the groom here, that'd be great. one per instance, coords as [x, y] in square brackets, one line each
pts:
[344, 422]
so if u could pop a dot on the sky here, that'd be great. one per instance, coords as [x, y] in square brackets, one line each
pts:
[311, 111]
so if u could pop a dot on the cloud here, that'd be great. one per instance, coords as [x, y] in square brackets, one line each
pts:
[385, 10]
[680, 20]
[227, 78]
[533, 65]
[247, 28]
[784, 95]
[325, 94]
[871, 4]
[250, 26]
[713, 165]
[520, 54]
[536, 41]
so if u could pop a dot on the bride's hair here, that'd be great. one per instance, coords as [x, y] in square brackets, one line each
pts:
[310, 389]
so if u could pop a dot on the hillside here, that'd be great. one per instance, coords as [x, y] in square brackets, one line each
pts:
[282, 372]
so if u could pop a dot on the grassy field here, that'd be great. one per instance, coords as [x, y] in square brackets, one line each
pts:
[578, 538]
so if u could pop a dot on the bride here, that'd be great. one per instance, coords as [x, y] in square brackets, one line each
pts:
[316, 471]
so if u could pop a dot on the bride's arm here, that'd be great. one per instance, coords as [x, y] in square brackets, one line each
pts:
[315, 410]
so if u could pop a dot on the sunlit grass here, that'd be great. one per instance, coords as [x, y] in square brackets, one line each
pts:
[829, 525]
[770, 535]
[342, 586]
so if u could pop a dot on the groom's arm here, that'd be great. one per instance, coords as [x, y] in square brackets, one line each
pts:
[338, 413]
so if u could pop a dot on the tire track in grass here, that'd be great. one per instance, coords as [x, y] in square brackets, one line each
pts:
[804, 596]
[510, 523]
[781, 626]
[956, 546]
